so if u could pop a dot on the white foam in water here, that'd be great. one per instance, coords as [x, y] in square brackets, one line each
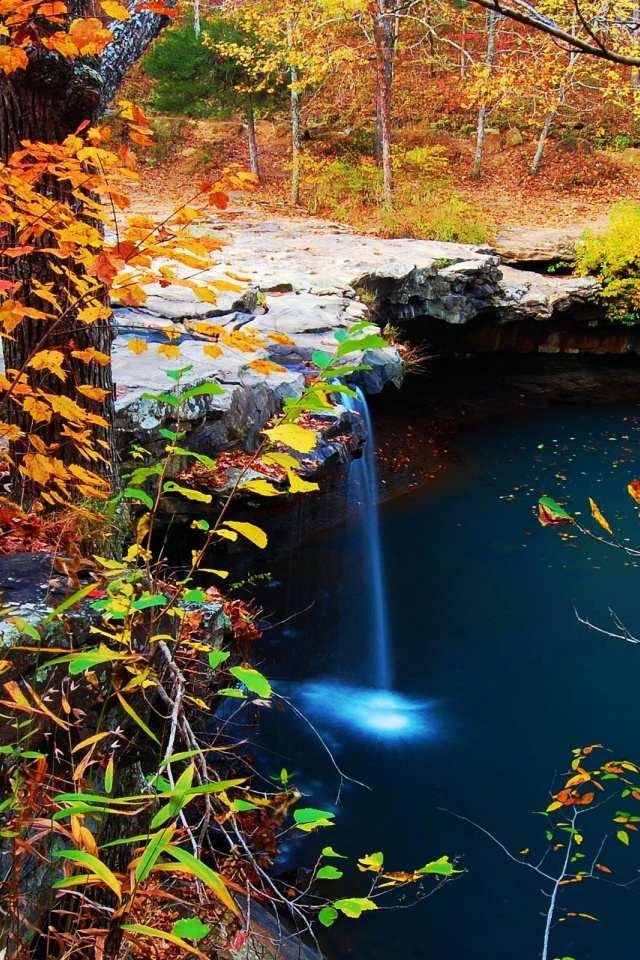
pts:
[370, 712]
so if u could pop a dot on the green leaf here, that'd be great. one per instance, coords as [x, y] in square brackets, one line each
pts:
[216, 657]
[241, 805]
[308, 819]
[209, 877]
[340, 335]
[254, 681]
[354, 906]
[149, 600]
[205, 389]
[178, 374]
[191, 927]
[327, 916]
[158, 843]
[443, 867]
[94, 865]
[623, 837]
[162, 935]
[329, 873]
[140, 474]
[87, 659]
[170, 486]
[371, 342]
[162, 398]
[322, 359]
[23, 626]
[69, 602]
[330, 852]
[133, 493]
[194, 596]
[200, 457]
[551, 504]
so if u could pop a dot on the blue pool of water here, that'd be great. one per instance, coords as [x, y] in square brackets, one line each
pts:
[496, 682]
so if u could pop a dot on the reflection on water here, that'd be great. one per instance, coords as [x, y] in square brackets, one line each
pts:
[373, 713]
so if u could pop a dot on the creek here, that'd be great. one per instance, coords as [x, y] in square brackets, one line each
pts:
[494, 682]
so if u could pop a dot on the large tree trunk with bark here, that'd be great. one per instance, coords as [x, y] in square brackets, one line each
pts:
[44, 103]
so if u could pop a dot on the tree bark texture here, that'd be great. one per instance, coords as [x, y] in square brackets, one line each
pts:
[45, 103]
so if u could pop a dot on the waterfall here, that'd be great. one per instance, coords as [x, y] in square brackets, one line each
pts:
[363, 494]
[367, 704]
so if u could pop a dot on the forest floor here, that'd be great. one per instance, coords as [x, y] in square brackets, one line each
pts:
[571, 190]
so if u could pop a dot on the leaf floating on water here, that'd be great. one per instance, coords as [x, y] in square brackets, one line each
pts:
[634, 490]
[551, 514]
[595, 513]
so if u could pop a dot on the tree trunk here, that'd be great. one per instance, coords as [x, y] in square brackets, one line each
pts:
[44, 103]
[46, 109]
[254, 163]
[295, 139]
[492, 20]
[384, 25]
[542, 139]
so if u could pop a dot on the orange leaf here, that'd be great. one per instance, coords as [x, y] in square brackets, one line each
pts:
[106, 267]
[89, 35]
[634, 490]
[266, 367]
[13, 58]
[89, 354]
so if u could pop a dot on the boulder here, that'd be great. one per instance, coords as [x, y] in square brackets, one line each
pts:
[492, 141]
[576, 145]
[513, 138]
[631, 157]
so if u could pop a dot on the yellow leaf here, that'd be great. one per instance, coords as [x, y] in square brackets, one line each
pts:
[595, 512]
[50, 360]
[298, 485]
[137, 346]
[554, 806]
[248, 530]
[262, 487]
[89, 354]
[294, 436]
[94, 393]
[115, 10]
[212, 350]
[10, 431]
[169, 350]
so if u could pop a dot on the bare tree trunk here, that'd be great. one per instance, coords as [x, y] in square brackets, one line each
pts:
[384, 25]
[492, 20]
[542, 139]
[254, 163]
[196, 18]
[295, 139]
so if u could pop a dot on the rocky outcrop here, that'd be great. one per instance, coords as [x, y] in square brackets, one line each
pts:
[303, 281]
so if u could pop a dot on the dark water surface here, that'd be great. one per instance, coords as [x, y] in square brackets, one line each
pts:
[481, 600]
